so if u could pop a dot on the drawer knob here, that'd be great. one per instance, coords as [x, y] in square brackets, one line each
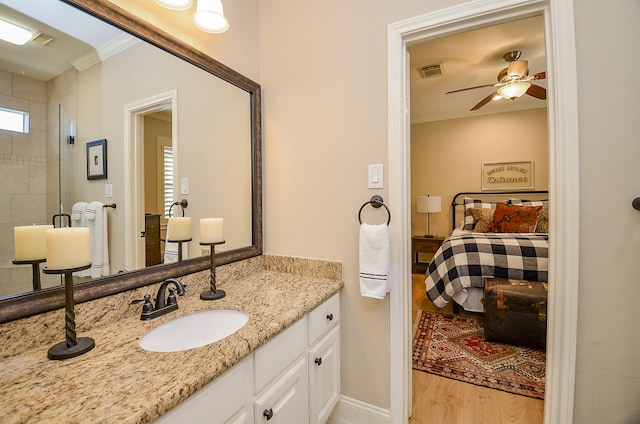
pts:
[330, 317]
[268, 414]
[318, 361]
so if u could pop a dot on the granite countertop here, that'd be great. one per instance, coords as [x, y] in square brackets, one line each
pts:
[119, 382]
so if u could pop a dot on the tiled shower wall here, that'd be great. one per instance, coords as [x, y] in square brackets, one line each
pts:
[29, 166]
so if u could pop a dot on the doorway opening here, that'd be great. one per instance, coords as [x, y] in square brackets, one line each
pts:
[563, 188]
[150, 124]
[451, 137]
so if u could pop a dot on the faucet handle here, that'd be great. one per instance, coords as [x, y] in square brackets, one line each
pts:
[148, 306]
[171, 300]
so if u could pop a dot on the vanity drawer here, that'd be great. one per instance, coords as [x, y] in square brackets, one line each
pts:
[324, 318]
[274, 357]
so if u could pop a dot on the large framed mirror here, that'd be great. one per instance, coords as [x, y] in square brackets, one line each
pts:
[212, 135]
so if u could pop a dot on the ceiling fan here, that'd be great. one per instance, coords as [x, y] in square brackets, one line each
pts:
[513, 81]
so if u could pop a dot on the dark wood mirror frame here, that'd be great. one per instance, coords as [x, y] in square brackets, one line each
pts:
[32, 303]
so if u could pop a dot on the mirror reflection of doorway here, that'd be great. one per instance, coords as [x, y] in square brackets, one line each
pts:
[158, 182]
[150, 164]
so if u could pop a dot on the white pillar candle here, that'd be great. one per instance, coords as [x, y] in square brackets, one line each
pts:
[211, 230]
[31, 242]
[68, 248]
[179, 228]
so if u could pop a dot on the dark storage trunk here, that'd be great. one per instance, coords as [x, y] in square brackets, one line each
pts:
[515, 312]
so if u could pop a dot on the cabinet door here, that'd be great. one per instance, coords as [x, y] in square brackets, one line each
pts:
[226, 400]
[286, 400]
[324, 377]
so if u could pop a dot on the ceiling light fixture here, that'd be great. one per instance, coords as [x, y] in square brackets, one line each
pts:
[175, 4]
[209, 16]
[513, 90]
[14, 34]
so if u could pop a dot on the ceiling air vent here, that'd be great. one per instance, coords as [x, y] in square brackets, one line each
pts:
[431, 70]
[42, 38]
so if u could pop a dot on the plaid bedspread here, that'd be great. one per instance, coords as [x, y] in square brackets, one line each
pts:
[464, 259]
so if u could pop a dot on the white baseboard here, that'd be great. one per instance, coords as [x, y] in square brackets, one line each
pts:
[353, 411]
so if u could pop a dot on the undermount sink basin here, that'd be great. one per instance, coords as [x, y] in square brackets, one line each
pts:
[195, 330]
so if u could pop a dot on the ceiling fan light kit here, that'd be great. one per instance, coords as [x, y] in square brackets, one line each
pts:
[513, 82]
[513, 90]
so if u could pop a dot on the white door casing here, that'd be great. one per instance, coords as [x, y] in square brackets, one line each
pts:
[563, 189]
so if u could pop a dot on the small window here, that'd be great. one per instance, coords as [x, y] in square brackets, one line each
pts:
[167, 180]
[14, 120]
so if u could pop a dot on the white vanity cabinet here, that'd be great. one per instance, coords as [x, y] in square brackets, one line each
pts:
[281, 380]
[324, 360]
[226, 400]
[292, 379]
[302, 366]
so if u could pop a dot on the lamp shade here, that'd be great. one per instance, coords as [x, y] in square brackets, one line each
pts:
[175, 4]
[513, 89]
[429, 204]
[209, 16]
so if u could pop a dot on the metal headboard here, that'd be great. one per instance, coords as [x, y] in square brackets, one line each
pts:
[493, 196]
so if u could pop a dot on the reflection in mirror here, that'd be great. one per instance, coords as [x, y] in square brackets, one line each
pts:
[173, 131]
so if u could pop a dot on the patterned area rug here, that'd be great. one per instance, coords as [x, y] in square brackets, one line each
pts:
[454, 347]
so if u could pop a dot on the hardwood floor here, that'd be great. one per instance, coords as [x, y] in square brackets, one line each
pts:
[439, 400]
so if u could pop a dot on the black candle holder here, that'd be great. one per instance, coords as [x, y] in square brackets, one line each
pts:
[35, 270]
[72, 346]
[213, 293]
[179, 246]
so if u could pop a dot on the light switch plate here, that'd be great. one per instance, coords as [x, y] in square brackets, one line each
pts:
[184, 186]
[108, 190]
[376, 176]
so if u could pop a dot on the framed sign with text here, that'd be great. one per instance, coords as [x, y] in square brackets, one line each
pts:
[501, 176]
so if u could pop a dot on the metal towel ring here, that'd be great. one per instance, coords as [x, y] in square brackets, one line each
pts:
[376, 201]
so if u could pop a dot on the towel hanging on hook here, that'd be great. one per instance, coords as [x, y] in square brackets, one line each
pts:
[376, 201]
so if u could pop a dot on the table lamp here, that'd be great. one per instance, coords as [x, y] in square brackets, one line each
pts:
[429, 204]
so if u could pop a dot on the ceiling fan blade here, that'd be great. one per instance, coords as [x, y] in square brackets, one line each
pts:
[471, 88]
[537, 92]
[518, 68]
[485, 101]
[539, 75]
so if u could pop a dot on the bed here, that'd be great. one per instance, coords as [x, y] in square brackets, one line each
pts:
[502, 235]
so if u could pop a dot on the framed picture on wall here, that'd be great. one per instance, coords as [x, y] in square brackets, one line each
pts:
[500, 176]
[97, 159]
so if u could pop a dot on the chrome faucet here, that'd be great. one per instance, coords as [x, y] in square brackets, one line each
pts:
[164, 304]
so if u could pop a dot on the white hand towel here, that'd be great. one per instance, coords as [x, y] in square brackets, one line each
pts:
[375, 255]
[77, 213]
[171, 250]
[98, 226]
[92, 210]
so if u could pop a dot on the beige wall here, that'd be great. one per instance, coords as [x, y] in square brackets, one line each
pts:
[213, 125]
[238, 47]
[324, 77]
[446, 157]
[608, 374]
